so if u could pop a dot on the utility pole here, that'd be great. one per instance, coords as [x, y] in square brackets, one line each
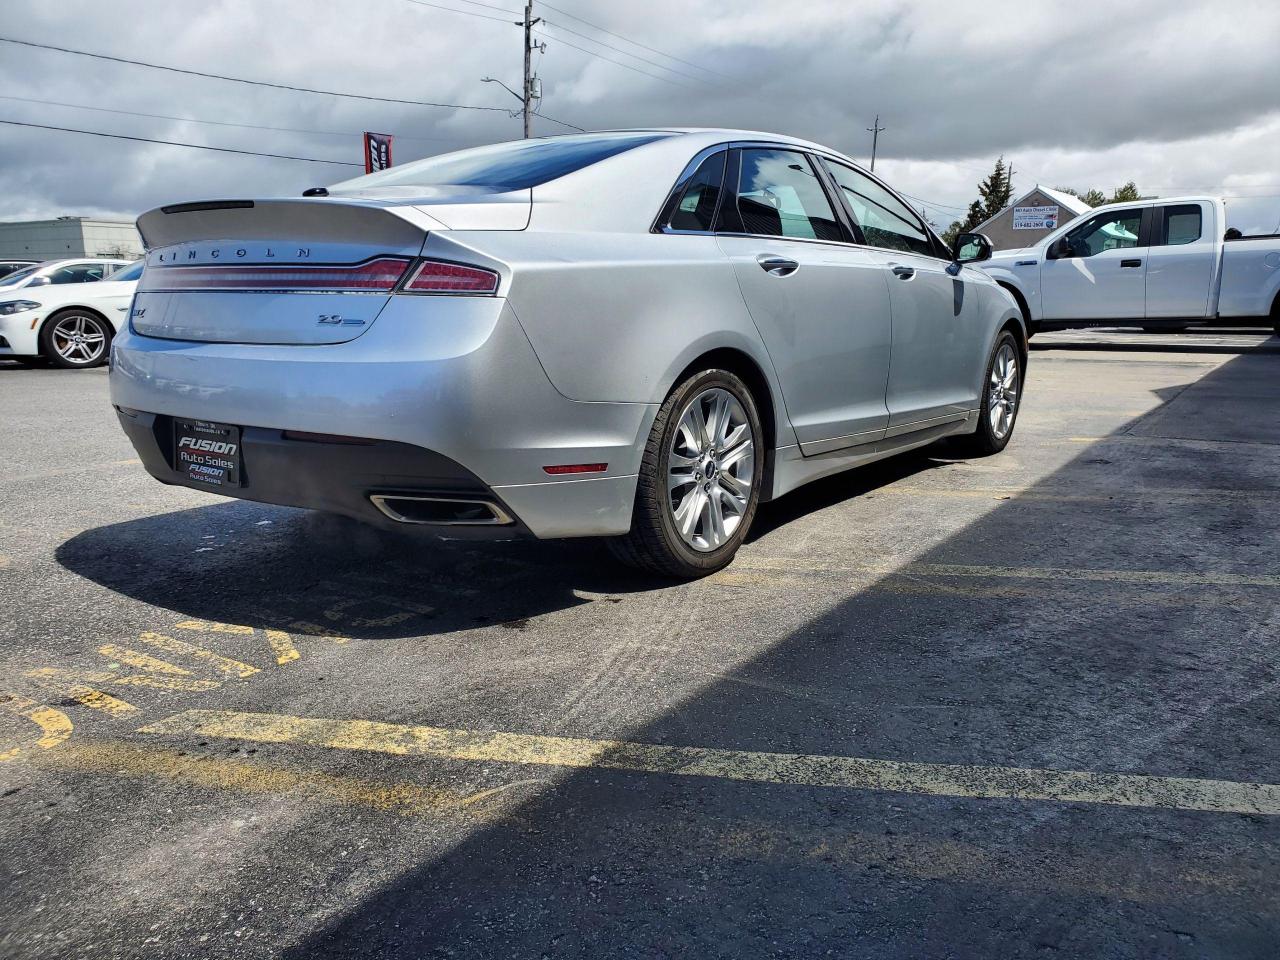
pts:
[528, 23]
[875, 131]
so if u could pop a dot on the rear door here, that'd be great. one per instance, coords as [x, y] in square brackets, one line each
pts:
[1181, 260]
[1104, 275]
[939, 340]
[820, 303]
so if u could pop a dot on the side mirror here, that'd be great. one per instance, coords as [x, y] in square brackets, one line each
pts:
[971, 248]
[39, 282]
[1060, 249]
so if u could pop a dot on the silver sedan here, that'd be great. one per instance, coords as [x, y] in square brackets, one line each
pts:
[638, 335]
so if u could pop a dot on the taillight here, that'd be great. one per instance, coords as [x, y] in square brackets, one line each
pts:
[373, 276]
[437, 276]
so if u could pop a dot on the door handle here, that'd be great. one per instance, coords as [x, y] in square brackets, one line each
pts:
[903, 273]
[1130, 263]
[778, 266]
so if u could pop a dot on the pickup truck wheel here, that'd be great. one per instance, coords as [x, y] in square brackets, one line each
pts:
[700, 480]
[1001, 398]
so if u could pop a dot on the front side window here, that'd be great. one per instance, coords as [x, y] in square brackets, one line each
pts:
[1182, 224]
[1107, 231]
[779, 195]
[885, 220]
[502, 167]
[696, 208]
[77, 273]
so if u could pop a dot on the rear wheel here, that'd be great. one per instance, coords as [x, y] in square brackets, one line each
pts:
[1001, 399]
[700, 479]
[75, 339]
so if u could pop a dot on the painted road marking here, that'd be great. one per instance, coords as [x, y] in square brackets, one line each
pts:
[141, 660]
[258, 778]
[1187, 443]
[1156, 577]
[106, 677]
[281, 643]
[1065, 496]
[82, 694]
[930, 779]
[215, 661]
[55, 726]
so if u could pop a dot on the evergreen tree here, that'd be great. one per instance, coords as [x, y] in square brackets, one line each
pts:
[994, 192]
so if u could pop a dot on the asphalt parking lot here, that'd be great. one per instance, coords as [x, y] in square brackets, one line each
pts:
[1023, 706]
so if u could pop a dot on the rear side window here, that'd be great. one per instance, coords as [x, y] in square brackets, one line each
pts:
[517, 165]
[885, 220]
[132, 272]
[1182, 224]
[779, 195]
[696, 208]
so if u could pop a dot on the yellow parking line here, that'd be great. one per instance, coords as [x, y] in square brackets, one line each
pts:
[981, 571]
[931, 779]
[259, 778]
[1064, 496]
[281, 643]
[140, 660]
[83, 694]
[104, 677]
[55, 726]
[224, 665]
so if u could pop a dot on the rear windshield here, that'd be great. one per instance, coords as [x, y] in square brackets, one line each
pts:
[517, 165]
[18, 276]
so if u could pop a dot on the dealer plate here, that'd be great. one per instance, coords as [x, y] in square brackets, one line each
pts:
[207, 452]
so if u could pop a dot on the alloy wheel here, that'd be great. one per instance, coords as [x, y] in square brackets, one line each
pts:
[79, 339]
[1002, 391]
[711, 466]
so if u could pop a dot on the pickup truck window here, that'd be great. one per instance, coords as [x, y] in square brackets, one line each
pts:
[1106, 231]
[1180, 224]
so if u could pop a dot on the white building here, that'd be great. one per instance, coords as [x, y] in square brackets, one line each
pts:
[69, 237]
[1035, 214]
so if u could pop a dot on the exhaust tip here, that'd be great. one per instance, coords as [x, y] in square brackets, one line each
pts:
[440, 511]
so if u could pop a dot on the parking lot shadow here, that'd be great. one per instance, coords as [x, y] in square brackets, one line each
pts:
[1063, 672]
[1053, 663]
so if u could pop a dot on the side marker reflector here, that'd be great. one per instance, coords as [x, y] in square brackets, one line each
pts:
[576, 468]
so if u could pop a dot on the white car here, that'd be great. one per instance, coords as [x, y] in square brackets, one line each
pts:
[63, 311]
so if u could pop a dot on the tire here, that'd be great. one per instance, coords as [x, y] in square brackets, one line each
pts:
[75, 339]
[694, 527]
[994, 431]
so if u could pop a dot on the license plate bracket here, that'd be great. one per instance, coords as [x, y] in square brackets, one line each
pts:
[208, 453]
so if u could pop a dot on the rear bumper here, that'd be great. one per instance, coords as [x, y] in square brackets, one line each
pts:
[454, 402]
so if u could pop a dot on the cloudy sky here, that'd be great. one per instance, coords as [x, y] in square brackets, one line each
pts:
[1178, 96]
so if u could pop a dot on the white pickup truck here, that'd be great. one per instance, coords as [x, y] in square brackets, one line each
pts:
[1151, 263]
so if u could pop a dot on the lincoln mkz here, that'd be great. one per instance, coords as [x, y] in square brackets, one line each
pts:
[639, 335]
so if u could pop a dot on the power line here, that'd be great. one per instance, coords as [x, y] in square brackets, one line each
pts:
[626, 53]
[636, 43]
[174, 143]
[599, 56]
[465, 13]
[255, 83]
[216, 123]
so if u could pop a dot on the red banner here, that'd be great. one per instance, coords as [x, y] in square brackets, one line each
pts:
[377, 152]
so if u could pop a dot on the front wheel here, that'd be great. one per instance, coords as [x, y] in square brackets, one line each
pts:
[1001, 398]
[75, 339]
[700, 479]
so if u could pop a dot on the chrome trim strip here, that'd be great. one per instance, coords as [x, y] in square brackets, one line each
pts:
[905, 428]
[499, 517]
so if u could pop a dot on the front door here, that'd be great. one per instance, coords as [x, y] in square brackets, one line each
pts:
[1102, 273]
[820, 303]
[938, 335]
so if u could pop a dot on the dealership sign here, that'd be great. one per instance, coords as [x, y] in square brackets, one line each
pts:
[1035, 218]
[377, 152]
